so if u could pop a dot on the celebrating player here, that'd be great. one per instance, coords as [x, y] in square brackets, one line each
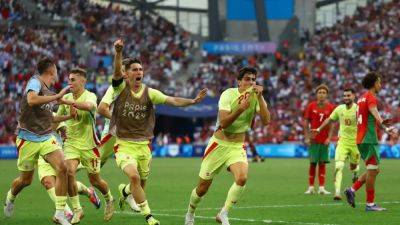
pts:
[237, 108]
[81, 142]
[35, 138]
[134, 118]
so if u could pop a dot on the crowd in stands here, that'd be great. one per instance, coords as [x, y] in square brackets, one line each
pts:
[338, 56]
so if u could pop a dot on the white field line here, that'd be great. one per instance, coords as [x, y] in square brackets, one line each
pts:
[273, 206]
[267, 221]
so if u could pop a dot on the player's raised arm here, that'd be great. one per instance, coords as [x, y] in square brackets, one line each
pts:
[181, 102]
[118, 46]
[265, 115]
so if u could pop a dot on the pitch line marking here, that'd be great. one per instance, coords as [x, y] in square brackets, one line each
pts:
[271, 206]
[267, 221]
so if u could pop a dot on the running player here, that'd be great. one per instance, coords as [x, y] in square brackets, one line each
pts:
[35, 138]
[81, 142]
[134, 118]
[315, 114]
[237, 108]
[346, 146]
[107, 145]
[368, 122]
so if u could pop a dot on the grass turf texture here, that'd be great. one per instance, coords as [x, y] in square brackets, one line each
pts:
[274, 195]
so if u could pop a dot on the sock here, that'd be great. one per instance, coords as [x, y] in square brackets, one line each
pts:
[194, 201]
[370, 196]
[311, 174]
[144, 208]
[10, 196]
[234, 194]
[126, 190]
[321, 174]
[52, 193]
[338, 176]
[357, 185]
[82, 189]
[108, 197]
[75, 202]
[61, 201]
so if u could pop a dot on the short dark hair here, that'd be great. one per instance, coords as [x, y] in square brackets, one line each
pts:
[44, 64]
[322, 86]
[126, 63]
[79, 71]
[244, 70]
[370, 79]
[349, 89]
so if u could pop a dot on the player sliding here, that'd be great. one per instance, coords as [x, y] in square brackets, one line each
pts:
[346, 146]
[134, 118]
[237, 108]
[368, 122]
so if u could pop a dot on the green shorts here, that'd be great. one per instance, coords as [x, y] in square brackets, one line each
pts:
[319, 153]
[347, 151]
[107, 146]
[133, 153]
[29, 151]
[220, 154]
[90, 159]
[370, 154]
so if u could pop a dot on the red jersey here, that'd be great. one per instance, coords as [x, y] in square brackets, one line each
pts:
[316, 116]
[367, 129]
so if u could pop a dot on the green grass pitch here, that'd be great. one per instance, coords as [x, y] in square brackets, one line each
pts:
[274, 195]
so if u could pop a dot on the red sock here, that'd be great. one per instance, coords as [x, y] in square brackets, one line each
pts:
[321, 174]
[311, 174]
[370, 195]
[357, 185]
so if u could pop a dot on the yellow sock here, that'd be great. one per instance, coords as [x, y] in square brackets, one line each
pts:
[127, 189]
[61, 201]
[339, 165]
[144, 208]
[194, 201]
[108, 197]
[75, 202]
[82, 189]
[52, 193]
[10, 196]
[234, 194]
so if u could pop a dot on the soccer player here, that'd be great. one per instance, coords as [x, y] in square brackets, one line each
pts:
[237, 108]
[134, 118]
[107, 145]
[316, 112]
[47, 175]
[368, 122]
[346, 146]
[81, 142]
[35, 137]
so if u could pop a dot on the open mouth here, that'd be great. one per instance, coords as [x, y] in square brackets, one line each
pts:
[138, 78]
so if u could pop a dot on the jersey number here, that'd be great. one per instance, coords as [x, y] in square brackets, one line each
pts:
[321, 118]
[347, 122]
[243, 96]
